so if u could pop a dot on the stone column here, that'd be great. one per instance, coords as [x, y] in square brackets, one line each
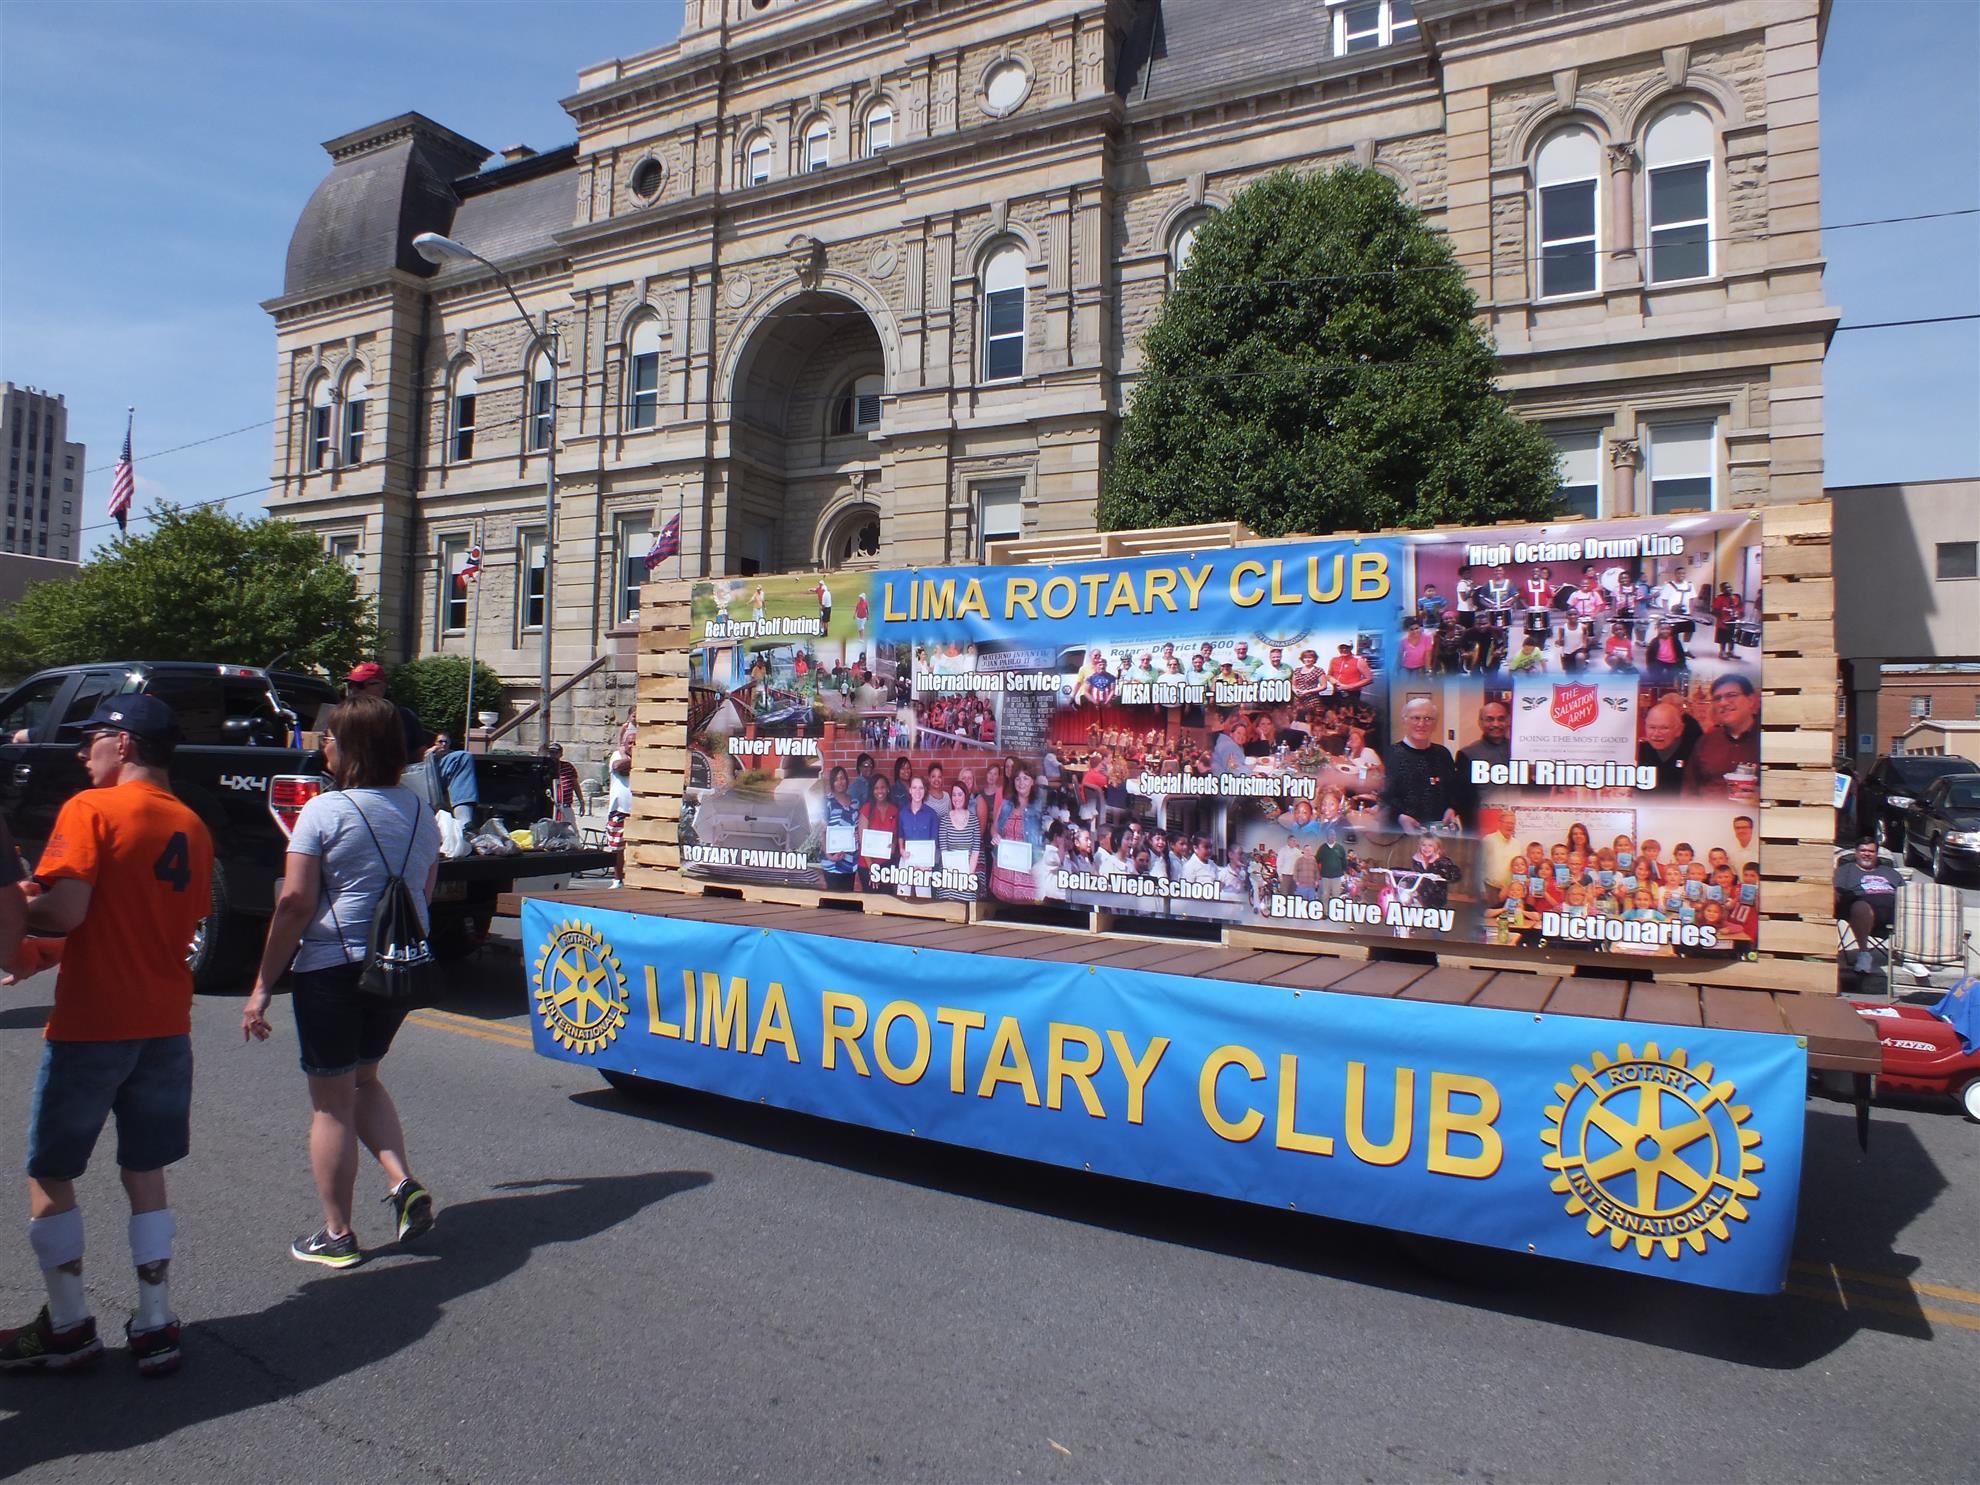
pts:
[1625, 265]
[1625, 455]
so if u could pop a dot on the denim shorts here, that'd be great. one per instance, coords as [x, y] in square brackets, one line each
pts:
[146, 1083]
[337, 1029]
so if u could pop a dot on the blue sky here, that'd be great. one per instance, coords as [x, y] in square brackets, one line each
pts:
[154, 157]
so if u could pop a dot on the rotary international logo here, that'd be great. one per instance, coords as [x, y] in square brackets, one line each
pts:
[580, 991]
[1651, 1150]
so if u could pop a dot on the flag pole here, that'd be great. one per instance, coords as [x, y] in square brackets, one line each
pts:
[474, 633]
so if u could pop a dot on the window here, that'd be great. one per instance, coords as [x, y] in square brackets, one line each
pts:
[1566, 175]
[1580, 489]
[756, 160]
[542, 400]
[818, 146]
[634, 539]
[27, 709]
[199, 704]
[879, 129]
[317, 440]
[1003, 314]
[1683, 462]
[1921, 708]
[94, 686]
[1004, 86]
[643, 376]
[854, 537]
[1678, 155]
[344, 548]
[647, 177]
[530, 573]
[999, 514]
[68, 488]
[1958, 559]
[1364, 25]
[859, 406]
[453, 590]
[357, 389]
[466, 386]
[1183, 248]
[68, 461]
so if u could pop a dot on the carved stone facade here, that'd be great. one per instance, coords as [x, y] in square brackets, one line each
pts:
[821, 263]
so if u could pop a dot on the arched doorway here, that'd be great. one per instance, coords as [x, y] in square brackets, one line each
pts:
[808, 407]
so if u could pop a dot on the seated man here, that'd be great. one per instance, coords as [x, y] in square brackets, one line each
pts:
[1866, 897]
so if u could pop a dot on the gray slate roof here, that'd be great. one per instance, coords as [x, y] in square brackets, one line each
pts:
[1182, 46]
[512, 219]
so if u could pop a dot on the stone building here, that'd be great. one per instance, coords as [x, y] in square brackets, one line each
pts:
[850, 280]
[44, 475]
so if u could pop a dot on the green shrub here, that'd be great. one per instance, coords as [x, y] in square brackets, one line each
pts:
[436, 689]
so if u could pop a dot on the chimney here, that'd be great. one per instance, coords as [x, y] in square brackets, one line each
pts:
[517, 152]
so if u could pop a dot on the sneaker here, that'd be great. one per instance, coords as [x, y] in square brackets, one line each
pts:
[1863, 963]
[156, 1351]
[331, 1252]
[412, 1206]
[39, 1346]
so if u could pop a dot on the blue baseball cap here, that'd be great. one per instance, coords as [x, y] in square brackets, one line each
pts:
[138, 714]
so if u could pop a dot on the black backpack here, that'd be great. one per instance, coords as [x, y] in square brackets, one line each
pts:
[398, 963]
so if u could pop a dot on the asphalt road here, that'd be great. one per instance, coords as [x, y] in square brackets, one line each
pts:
[703, 1290]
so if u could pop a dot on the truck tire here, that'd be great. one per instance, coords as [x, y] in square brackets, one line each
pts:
[224, 942]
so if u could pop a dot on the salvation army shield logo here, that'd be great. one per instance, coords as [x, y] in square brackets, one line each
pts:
[1575, 706]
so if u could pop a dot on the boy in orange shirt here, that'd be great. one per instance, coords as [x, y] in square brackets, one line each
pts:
[127, 875]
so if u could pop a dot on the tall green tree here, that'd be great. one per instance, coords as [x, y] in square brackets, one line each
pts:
[1319, 368]
[200, 585]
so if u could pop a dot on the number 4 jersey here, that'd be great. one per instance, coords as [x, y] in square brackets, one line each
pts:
[149, 863]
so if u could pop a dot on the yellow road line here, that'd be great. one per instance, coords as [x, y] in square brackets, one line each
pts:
[471, 1023]
[1845, 1300]
[506, 1038]
[1887, 1281]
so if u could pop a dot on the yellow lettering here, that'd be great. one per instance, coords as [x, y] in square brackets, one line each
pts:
[1206, 1092]
[1332, 590]
[972, 601]
[960, 1024]
[1059, 1069]
[1122, 594]
[727, 1018]
[1194, 581]
[1009, 1063]
[654, 1025]
[1243, 570]
[1393, 1152]
[938, 598]
[1091, 581]
[1161, 588]
[1137, 1072]
[1021, 593]
[1371, 576]
[830, 1003]
[687, 1005]
[1058, 608]
[1446, 1121]
[1279, 593]
[774, 1024]
[1289, 1137]
[887, 609]
[911, 1071]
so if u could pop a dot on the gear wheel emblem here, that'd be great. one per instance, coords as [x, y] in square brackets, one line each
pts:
[580, 990]
[1651, 1150]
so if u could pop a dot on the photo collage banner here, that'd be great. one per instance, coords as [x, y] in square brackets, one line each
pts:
[1543, 736]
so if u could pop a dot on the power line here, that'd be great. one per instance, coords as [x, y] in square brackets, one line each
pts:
[1895, 324]
[215, 438]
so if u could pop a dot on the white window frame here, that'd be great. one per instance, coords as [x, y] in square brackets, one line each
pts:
[1690, 158]
[817, 146]
[530, 554]
[1577, 442]
[541, 425]
[357, 392]
[1004, 274]
[462, 405]
[346, 547]
[316, 427]
[453, 557]
[1577, 136]
[879, 128]
[999, 510]
[1182, 245]
[1388, 30]
[756, 159]
[632, 539]
[1921, 708]
[1675, 434]
[642, 409]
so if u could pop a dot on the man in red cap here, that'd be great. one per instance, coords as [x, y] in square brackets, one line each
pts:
[368, 679]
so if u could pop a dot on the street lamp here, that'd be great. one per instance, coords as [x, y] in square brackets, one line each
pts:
[437, 250]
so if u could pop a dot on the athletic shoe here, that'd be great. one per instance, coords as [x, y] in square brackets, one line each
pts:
[1863, 964]
[39, 1347]
[412, 1207]
[331, 1252]
[156, 1351]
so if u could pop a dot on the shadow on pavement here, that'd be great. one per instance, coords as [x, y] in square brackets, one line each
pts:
[329, 1329]
[1852, 1207]
[19, 1017]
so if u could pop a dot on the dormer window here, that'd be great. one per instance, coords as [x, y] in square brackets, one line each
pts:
[1365, 25]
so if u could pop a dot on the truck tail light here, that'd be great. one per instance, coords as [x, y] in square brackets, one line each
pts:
[288, 793]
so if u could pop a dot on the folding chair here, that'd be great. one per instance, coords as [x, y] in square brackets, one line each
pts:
[1930, 932]
[1878, 945]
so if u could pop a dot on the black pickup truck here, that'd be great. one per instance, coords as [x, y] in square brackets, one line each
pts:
[240, 769]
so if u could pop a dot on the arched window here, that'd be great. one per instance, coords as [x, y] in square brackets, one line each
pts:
[467, 384]
[858, 407]
[1567, 178]
[643, 375]
[316, 435]
[357, 391]
[542, 425]
[817, 146]
[1003, 314]
[1677, 154]
[756, 159]
[854, 537]
[879, 128]
[1182, 246]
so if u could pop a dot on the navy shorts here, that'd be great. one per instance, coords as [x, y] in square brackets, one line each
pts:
[146, 1083]
[337, 1029]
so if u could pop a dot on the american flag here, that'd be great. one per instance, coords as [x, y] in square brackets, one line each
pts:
[470, 567]
[666, 544]
[123, 483]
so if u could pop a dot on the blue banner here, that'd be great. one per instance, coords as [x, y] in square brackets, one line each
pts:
[1672, 1151]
